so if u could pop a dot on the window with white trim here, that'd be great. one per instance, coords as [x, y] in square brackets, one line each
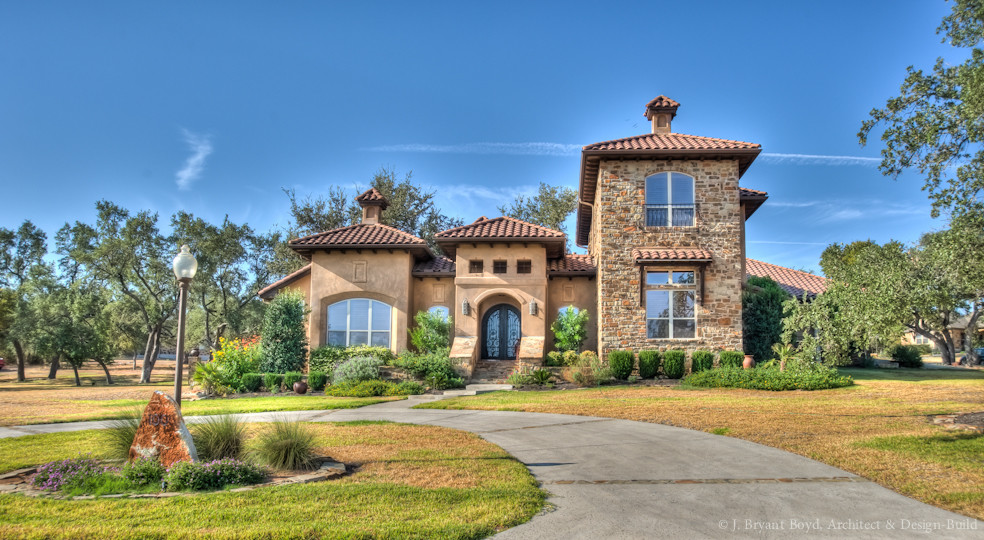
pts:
[671, 304]
[670, 200]
[359, 321]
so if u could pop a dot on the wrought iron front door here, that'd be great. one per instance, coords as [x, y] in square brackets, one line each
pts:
[501, 333]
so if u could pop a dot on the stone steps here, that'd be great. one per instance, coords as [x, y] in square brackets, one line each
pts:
[493, 371]
[475, 389]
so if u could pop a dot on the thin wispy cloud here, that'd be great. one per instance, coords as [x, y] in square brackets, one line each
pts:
[791, 204]
[786, 243]
[486, 148]
[201, 147]
[816, 159]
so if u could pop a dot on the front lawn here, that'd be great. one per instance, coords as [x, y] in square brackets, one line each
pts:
[845, 427]
[409, 481]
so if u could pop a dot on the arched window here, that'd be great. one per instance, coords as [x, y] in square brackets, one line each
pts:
[670, 200]
[440, 310]
[359, 321]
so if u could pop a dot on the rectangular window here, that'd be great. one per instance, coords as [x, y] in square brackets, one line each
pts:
[671, 304]
[524, 267]
[475, 267]
[498, 267]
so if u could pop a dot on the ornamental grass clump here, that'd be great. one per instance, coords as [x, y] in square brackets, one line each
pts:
[219, 437]
[119, 435]
[285, 445]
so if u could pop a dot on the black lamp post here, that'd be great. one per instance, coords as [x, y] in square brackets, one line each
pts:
[185, 267]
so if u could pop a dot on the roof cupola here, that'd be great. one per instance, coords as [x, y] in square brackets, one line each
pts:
[660, 112]
[373, 203]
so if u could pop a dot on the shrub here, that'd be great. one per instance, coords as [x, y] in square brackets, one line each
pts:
[284, 334]
[409, 388]
[541, 376]
[317, 380]
[586, 357]
[673, 364]
[273, 381]
[924, 348]
[425, 365]
[198, 476]
[211, 379]
[234, 359]
[520, 377]
[555, 358]
[327, 358]
[440, 381]
[621, 363]
[906, 355]
[285, 445]
[143, 472]
[432, 333]
[649, 364]
[292, 377]
[731, 358]
[373, 388]
[588, 371]
[570, 329]
[363, 368]
[762, 311]
[252, 382]
[815, 378]
[570, 358]
[219, 437]
[701, 361]
[67, 474]
[119, 435]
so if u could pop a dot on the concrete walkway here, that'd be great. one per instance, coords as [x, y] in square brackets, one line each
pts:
[621, 479]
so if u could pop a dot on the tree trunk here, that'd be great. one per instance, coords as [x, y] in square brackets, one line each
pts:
[970, 333]
[135, 358]
[21, 360]
[53, 370]
[150, 341]
[109, 378]
[78, 382]
[151, 359]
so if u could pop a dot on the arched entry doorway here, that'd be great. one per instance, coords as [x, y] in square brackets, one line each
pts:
[500, 332]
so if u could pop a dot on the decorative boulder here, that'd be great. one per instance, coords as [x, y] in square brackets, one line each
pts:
[162, 433]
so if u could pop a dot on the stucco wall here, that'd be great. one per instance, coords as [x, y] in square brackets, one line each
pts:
[619, 226]
[379, 275]
[580, 292]
[429, 292]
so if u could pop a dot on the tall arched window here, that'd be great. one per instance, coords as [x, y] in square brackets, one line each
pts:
[359, 321]
[440, 310]
[670, 200]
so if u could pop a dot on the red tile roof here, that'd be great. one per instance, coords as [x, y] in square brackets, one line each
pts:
[359, 235]
[795, 282]
[680, 254]
[670, 141]
[438, 266]
[270, 290]
[752, 198]
[745, 192]
[501, 227]
[572, 265]
[372, 196]
[661, 101]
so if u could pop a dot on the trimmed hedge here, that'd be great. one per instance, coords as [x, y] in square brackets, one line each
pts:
[317, 380]
[374, 388]
[673, 364]
[731, 358]
[620, 362]
[252, 382]
[769, 379]
[649, 364]
[273, 381]
[328, 357]
[292, 377]
[701, 361]
[908, 356]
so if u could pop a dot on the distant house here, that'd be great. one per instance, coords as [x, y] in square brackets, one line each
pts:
[662, 216]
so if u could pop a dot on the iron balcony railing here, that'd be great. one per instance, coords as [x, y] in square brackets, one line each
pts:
[671, 215]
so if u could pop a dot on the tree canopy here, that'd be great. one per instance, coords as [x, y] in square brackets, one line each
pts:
[550, 207]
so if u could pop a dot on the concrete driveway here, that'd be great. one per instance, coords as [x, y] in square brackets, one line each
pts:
[621, 479]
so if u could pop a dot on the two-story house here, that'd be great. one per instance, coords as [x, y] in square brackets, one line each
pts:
[661, 215]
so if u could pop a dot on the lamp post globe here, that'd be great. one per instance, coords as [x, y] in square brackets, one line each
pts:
[185, 266]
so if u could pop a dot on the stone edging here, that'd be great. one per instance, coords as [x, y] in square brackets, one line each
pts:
[949, 421]
[19, 482]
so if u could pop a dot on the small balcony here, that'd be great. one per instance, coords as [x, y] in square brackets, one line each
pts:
[671, 215]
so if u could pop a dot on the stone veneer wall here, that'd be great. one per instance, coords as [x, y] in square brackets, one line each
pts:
[619, 226]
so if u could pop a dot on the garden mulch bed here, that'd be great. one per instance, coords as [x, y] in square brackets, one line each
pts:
[19, 481]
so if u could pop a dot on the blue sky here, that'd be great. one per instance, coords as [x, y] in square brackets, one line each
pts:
[213, 107]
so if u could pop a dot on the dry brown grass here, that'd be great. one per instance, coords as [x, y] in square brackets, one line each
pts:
[824, 425]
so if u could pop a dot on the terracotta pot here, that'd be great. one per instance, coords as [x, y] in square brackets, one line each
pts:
[749, 362]
[300, 387]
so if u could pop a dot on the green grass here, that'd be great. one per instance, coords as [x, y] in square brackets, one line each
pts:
[948, 376]
[20, 452]
[401, 489]
[962, 451]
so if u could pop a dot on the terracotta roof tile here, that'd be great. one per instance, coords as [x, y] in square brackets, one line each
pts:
[438, 266]
[267, 292]
[572, 265]
[662, 101]
[670, 141]
[745, 192]
[372, 196]
[360, 235]
[792, 281]
[500, 227]
[680, 254]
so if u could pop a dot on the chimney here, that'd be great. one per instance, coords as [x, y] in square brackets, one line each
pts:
[373, 203]
[660, 112]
